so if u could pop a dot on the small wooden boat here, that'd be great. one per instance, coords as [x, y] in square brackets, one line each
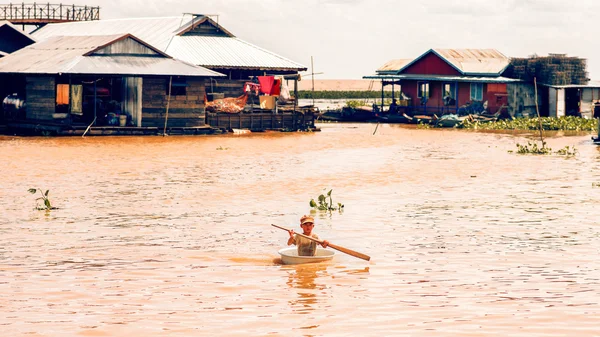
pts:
[290, 256]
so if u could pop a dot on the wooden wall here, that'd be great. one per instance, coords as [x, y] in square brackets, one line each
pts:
[40, 97]
[230, 88]
[184, 110]
[431, 64]
[126, 46]
[521, 100]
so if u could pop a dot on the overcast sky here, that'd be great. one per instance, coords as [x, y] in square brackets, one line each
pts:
[352, 38]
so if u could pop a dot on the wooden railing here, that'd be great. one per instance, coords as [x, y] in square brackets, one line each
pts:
[47, 13]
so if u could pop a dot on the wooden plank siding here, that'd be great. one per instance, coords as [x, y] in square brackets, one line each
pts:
[40, 97]
[230, 88]
[184, 110]
[126, 46]
[261, 121]
[431, 64]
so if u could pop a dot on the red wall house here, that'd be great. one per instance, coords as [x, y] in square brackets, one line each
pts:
[431, 64]
[439, 67]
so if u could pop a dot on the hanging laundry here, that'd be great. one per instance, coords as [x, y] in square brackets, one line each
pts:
[251, 86]
[266, 84]
[276, 87]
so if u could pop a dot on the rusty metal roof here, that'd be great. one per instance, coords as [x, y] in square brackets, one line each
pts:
[393, 66]
[169, 35]
[475, 61]
[74, 55]
[471, 62]
[443, 78]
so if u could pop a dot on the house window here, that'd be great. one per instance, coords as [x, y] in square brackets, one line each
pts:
[476, 91]
[62, 94]
[449, 90]
[178, 87]
[423, 89]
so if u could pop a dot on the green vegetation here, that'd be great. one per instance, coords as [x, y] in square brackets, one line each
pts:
[568, 151]
[533, 148]
[47, 206]
[569, 123]
[325, 204]
[354, 103]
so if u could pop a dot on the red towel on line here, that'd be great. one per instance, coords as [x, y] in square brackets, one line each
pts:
[266, 84]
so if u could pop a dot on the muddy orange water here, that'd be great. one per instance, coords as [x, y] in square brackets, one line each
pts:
[171, 236]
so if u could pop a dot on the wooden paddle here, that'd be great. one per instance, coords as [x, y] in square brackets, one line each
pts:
[336, 247]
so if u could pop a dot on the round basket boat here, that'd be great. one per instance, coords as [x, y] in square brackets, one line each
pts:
[290, 256]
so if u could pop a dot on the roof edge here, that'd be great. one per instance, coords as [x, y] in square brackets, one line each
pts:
[126, 36]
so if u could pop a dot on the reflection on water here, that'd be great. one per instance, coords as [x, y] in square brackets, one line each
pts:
[302, 278]
[171, 236]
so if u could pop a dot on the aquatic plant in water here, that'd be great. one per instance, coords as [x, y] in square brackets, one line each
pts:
[47, 205]
[325, 204]
[533, 148]
[568, 123]
[567, 151]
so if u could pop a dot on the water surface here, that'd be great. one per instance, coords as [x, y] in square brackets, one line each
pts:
[171, 236]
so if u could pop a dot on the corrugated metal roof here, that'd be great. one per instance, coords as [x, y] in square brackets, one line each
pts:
[227, 52]
[475, 61]
[393, 66]
[479, 79]
[155, 31]
[65, 54]
[482, 62]
[591, 84]
[221, 52]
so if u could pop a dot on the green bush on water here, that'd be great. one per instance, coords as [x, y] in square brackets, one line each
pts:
[325, 204]
[569, 123]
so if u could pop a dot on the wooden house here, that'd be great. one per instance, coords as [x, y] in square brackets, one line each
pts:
[199, 40]
[442, 81]
[71, 83]
[11, 40]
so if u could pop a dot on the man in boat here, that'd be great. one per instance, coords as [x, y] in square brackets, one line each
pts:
[306, 247]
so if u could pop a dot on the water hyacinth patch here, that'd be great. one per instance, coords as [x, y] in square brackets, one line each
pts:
[568, 123]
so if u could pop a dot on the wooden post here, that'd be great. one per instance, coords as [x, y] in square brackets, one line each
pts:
[95, 102]
[168, 102]
[537, 110]
[382, 85]
[295, 92]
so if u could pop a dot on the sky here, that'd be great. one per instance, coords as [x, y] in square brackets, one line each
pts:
[348, 39]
